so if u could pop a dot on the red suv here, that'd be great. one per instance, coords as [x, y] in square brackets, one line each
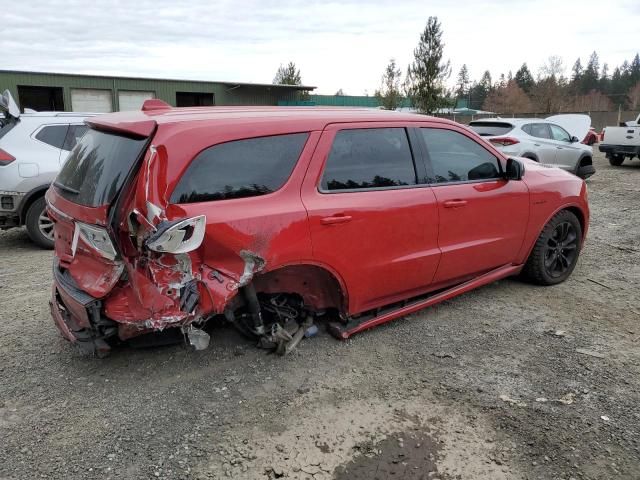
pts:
[272, 218]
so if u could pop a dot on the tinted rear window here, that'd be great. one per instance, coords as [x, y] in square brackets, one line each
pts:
[242, 168]
[490, 129]
[53, 135]
[369, 158]
[97, 167]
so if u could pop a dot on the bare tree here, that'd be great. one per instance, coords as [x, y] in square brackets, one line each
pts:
[508, 99]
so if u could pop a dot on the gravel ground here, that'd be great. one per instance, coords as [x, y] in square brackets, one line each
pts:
[490, 385]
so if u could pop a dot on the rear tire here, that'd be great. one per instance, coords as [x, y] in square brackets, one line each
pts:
[39, 225]
[615, 159]
[556, 252]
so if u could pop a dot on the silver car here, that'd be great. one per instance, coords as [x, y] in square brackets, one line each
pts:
[554, 141]
[33, 147]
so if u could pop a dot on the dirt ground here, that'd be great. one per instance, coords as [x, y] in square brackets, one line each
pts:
[510, 381]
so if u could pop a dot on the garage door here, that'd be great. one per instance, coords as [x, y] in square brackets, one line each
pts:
[133, 100]
[89, 100]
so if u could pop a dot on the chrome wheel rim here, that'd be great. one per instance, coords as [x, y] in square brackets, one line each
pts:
[561, 250]
[45, 225]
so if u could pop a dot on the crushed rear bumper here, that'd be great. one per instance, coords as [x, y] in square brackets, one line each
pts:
[77, 315]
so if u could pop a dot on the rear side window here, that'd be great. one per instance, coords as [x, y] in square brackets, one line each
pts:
[242, 168]
[538, 130]
[490, 129]
[456, 158]
[369, 158]
[53, 135]
[74, 134]
[97, 167]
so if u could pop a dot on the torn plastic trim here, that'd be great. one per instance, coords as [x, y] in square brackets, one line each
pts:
[178, 236]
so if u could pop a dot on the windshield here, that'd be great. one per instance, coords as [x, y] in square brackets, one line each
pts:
[490, 129]
[97, 167]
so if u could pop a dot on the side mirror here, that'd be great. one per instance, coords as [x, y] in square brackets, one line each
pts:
[514, 170]
[574, 139]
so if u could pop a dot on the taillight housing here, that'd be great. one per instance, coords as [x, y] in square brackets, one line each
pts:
[96, 238]
[5, 158]
[504, 141]
[180, 236]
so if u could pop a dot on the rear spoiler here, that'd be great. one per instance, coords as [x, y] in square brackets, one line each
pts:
[8, 105]
[142, 129]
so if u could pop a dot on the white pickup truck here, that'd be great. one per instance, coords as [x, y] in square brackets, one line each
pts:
[621, 142]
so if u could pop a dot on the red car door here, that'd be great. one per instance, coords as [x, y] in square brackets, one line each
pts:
[483, 217]
[373, 221]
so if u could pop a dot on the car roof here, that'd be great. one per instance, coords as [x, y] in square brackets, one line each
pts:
[57, 114]
[308, 118]
[512, 121]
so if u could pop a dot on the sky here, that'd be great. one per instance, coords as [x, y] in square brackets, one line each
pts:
[337, 45]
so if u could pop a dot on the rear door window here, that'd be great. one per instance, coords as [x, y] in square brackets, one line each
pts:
[241, 168]
[457, 158]
[491, 129]
[97, 167]
[538, 130]
[53, 135]
[369, 158]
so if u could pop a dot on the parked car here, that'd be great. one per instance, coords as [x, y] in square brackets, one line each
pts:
[272, 218]
[33, 146]
[621, 142]
[591, 137]
[552, 141]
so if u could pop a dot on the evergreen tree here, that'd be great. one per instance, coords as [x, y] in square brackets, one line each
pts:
[389, 94]
[524, 78]
[288, 75]
[462, 86]
[591, 74]
[428, 71]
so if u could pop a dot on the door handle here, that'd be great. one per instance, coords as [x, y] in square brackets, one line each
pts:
[537, 144]
[455, 203]
[335, 219]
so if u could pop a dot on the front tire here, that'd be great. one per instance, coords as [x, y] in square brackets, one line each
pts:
[555, 254]
[615, 159]
[39, 225]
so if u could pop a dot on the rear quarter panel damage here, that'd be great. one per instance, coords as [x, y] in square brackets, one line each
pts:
[244, 237]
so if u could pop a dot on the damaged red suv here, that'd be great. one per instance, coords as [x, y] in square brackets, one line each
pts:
[275, 218]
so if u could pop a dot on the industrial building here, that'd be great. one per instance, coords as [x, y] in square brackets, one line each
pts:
[100, 93]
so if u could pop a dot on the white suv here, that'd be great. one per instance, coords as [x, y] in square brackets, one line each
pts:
[553, 141]
[33, 147]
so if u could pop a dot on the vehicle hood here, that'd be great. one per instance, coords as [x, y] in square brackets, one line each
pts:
[8, 105]
[541, 168]
[576, 124]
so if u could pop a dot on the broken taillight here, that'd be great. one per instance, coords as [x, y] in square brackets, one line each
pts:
[97, 238]
[5, 158]
[181, 236]
[504, 141]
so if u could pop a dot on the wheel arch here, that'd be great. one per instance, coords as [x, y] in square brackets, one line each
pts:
[531, 156]
[319, 286]
[29, 198]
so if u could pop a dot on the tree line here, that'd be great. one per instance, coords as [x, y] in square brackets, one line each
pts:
[588, 88]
